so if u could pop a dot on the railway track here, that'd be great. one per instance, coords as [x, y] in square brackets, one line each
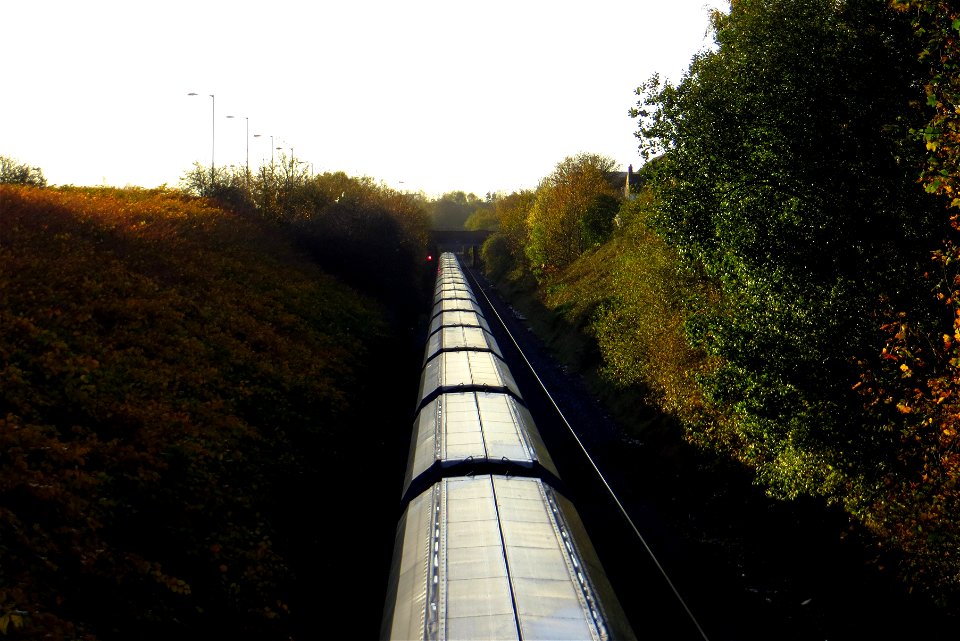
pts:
[747, 567]
[619, 527]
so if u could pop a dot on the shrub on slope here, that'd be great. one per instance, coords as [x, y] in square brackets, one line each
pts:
[163, 363]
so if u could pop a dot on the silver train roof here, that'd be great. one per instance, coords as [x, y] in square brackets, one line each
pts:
[467, 318]
[474, 429]
[465, 371]
[453, 291]
[492, 557]
[451, 276]
[460, 337]
[456, 304]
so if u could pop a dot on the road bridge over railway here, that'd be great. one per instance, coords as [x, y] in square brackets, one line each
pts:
[461, 241]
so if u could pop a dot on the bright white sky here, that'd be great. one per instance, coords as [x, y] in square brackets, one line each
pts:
[431, 95]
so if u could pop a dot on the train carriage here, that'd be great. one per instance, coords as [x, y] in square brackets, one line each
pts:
[463, 371]
[454, 290]
[487, 547]
[455, 305]
[466, 432]
[460, 337]
[495, 557]
[458, 318]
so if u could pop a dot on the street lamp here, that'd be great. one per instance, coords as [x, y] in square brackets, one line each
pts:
[271, 145]
[247, 118]
[281, 148]
[213, 133]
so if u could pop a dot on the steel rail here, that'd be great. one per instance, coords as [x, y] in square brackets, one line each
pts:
[593, 464]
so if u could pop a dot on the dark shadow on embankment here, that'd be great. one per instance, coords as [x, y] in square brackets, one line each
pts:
[749, 567]
[341, 515]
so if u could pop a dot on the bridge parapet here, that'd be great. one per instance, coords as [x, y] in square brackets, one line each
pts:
[461, 241]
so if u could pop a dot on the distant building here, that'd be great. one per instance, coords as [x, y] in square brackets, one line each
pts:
[628, 181]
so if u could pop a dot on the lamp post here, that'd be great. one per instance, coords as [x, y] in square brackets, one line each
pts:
[271, 145]
[213, 133]
[281, 148]
[247, 118]
[280, 144]
[247, 175]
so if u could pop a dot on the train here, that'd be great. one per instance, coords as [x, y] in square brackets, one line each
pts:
[488, 546]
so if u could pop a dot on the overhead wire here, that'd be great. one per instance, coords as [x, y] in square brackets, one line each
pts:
[593, 464]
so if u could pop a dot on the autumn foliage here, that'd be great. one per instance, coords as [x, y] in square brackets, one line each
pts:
[168, 372]
[785, 284]
[915, 389]
[915, 394]
[937, 24]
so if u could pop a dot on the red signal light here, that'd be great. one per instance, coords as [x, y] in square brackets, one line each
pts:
[429, 257]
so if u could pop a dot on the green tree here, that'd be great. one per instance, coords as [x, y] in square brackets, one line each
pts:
[512, 212]
[483, 217]
[15, 173]
[573, 210]
[503, 252]
[452, 209]
[787, 174]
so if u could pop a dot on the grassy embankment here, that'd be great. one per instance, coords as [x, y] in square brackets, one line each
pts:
[617, 316]
[182, 394]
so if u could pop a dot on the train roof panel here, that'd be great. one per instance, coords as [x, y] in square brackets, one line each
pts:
[474, 428]
[450, 276]
[451, 290]
[451, 319]
[465, 371]
[494, 557]
[450, 266]
[450, 271]
[448, 282]
[460, 337]
[456, 304]
[444, 289]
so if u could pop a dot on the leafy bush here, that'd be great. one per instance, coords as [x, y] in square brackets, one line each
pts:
[15, 173]
[572, 211]
[912, 390]
[765, 287]
[483, 218]
[452, 210]
[367, 234]
[167, 371]
[788, 178]
[496, 257]
[640, 325]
